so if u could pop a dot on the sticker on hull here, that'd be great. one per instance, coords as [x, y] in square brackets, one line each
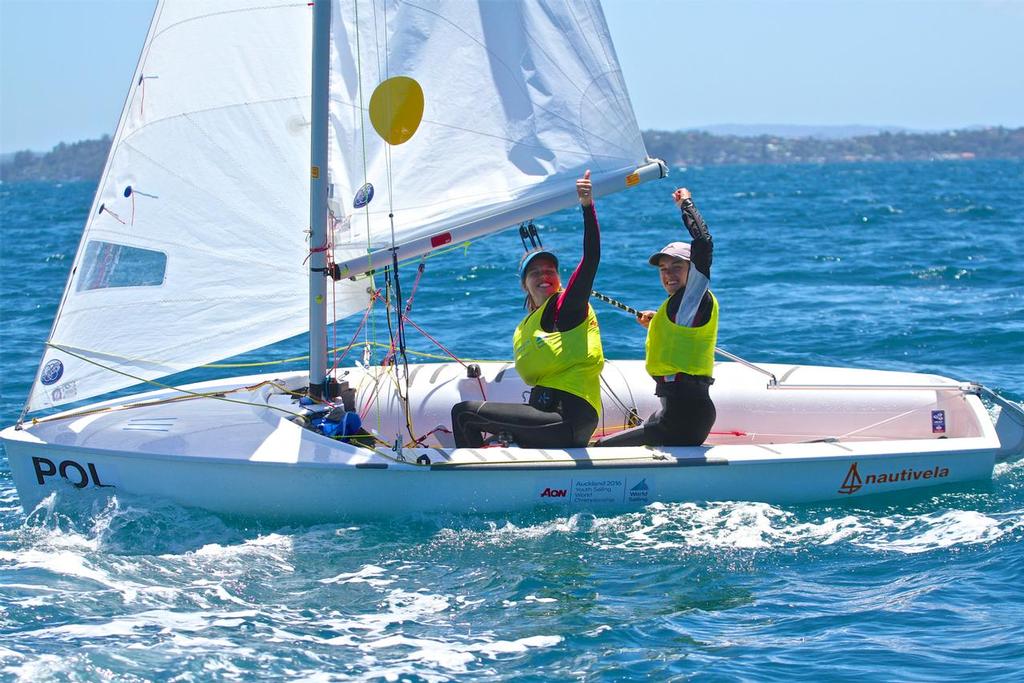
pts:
[854, 481]
[77, 474]
[595, 490]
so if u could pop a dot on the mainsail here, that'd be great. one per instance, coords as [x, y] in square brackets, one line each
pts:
[519, 99]
[196, 246]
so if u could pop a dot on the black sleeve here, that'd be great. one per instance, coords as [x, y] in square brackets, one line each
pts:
[701, 246]
[574, 303]
[701, 249]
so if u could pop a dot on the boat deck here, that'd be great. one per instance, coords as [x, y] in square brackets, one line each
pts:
[257, 423]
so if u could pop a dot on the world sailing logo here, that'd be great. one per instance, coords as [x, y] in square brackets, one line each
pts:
[640, 492]
[852, 483]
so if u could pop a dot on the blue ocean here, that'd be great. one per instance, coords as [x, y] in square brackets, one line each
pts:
[911, 266]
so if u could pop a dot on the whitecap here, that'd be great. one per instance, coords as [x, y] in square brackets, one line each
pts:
[947, 529]
[70, 564]
[367, 574]
[42, 668]
[455, 657]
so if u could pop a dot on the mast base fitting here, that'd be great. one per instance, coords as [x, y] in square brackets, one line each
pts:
[332, 271]
[340, 389]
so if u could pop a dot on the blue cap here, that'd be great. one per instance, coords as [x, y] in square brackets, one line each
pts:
[528, 258]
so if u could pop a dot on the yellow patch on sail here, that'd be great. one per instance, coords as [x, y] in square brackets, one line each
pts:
[396, 109]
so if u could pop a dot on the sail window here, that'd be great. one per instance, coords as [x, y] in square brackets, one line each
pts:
[106, 264]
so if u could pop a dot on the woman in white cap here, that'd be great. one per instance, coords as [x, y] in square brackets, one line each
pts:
[681, 337]
[557, 351]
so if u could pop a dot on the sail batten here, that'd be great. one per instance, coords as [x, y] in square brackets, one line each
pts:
[197, 245]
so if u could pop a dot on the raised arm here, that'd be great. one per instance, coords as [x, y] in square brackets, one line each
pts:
[574, 301]
[701, 245]
[691, 306]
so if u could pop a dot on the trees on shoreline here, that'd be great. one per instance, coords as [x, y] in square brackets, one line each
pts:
[81, 160]
[84, 160]
[698, 148]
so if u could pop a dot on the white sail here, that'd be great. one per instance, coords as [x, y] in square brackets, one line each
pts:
[519, 99]
[205, 257]
[196, 246]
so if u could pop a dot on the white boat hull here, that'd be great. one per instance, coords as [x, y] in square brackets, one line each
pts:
[770, 445]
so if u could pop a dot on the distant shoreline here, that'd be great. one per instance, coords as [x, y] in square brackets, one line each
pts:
[84, 160]
[699, 148]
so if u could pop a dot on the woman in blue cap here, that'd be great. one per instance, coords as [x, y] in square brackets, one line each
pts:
[557, 351]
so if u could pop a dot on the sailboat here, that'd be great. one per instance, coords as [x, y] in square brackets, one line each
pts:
[275, 161]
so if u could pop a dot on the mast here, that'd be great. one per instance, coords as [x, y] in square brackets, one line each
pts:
[318, 198]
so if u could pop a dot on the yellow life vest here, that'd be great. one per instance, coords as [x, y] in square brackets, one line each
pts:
[570, 361]
[674, 348]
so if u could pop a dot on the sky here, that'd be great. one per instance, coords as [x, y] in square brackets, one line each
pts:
[65, 66]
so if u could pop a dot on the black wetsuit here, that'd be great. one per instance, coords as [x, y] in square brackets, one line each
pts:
[687, 412]
[553, 418]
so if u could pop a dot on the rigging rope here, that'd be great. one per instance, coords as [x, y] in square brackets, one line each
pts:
[337, 358]
[219, 395]
[441, 346]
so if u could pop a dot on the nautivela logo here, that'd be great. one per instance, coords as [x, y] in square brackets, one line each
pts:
[853, 481]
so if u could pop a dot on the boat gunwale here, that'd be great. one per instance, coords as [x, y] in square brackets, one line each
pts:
[979, 445]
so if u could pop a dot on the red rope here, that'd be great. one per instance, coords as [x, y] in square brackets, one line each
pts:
[601, 433]
[351, 344]
[317, 250]
[441, 346]
[438, 428]
[483, 392]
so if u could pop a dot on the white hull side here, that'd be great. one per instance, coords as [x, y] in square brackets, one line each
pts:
[768, 445]
[308, 492]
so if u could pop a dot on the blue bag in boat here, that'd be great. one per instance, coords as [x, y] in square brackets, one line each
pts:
[338, 423]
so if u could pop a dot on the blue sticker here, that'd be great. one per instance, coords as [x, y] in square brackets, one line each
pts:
[52, 372]
[640, 492]
[938, 422]
[363, 196]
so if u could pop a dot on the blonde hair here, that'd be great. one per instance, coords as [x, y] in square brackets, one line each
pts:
[528, 301]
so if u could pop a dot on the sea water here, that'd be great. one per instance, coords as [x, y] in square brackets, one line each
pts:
[896, 266]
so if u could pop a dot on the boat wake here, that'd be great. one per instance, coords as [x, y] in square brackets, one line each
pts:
[437, 597]
[952, 519]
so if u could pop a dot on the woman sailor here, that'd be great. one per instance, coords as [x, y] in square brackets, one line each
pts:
[558, 353]
[681, 337]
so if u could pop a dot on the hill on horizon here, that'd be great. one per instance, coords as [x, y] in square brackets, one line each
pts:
[797, 130]
[84, 160]
[742, 130]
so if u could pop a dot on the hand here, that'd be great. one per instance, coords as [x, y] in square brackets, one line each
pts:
[585, 190]
[645, 317]
[680, 195]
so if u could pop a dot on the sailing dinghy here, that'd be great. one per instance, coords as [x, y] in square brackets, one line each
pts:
[315, 147]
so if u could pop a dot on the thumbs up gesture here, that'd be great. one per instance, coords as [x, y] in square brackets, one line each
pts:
[584, 189]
